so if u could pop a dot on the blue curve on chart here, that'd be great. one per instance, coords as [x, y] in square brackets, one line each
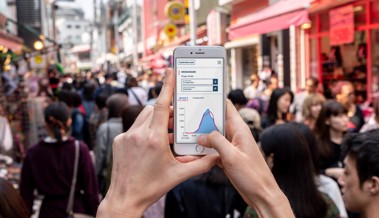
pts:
[207, 123]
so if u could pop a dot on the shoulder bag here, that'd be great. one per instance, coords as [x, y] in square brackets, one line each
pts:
[70, 204]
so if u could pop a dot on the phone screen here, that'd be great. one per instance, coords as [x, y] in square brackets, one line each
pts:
[199, 98]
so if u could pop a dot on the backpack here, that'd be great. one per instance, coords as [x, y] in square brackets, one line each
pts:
[85, 134]
[257, 104]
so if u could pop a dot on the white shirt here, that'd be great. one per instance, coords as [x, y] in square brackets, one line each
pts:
[250, 92]
[140, 93]
[6, 138]
[297, 105]
[370, 125]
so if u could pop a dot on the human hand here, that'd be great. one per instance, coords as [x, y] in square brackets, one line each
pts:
[144, 168]
[334, 172]
[246, 168]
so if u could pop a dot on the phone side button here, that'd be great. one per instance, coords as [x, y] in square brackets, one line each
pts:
[200, 149]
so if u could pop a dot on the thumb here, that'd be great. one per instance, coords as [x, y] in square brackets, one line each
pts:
[218, 142]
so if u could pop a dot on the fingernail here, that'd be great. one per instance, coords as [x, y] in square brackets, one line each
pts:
[201, 139]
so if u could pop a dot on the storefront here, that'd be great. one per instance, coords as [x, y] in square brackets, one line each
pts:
[276, 30]
[344, 45]
[242, 47]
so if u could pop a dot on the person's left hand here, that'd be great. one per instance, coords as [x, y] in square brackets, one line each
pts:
[144, 168]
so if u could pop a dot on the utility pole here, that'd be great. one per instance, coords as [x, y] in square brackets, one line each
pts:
[116, 34]
[53, 14]
[193, 23]
[94, 27]
[135, 36]
[53, 17]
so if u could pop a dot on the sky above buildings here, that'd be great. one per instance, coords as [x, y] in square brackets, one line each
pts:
[86, 5]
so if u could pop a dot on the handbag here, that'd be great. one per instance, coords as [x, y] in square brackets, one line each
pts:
[70, 203]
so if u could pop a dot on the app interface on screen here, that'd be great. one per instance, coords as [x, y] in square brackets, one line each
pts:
[199, 108]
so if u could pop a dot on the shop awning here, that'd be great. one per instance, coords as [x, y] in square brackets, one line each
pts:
[11, 42]
[280, 15]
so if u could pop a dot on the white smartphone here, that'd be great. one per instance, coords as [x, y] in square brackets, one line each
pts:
[199, 97]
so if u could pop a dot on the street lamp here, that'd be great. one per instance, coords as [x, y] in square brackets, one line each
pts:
[306, 25]
[38, 45]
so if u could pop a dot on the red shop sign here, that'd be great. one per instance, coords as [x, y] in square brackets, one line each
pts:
[342, 25]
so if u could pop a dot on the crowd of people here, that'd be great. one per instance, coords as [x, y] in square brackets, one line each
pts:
[314, 157]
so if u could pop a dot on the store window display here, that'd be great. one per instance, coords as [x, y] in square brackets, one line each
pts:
[350, 56]
[345, 62]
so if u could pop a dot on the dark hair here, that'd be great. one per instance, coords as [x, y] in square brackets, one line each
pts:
[215, 176]
[66, 97]
[76, 99]
[293, 169]
[132, 82]
[364, 148]
[237, 97]
[330, 108]
[101, 100]
[11, 203]
[115, 104]
[310, 137]
[314, 80]
[108, 76]
[52, 69]
[129, 115]
[272, 110]
[89, 91]
[56, 116]
[122, 91]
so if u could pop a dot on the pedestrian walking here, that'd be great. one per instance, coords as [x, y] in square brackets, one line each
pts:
[48, 168]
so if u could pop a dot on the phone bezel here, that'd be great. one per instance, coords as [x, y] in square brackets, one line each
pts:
[197, 52]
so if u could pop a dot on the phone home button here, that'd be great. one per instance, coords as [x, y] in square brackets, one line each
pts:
[200, 149]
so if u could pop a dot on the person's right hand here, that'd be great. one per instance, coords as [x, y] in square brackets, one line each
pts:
[144, 168]
[246, 168]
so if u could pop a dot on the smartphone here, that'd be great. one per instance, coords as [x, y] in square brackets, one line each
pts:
[199, 97]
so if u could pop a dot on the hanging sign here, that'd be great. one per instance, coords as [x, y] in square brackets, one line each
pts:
[170, 30]
[342, 25]
[175, 10]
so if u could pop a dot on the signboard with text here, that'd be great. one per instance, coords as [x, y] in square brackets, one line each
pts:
[342, 25]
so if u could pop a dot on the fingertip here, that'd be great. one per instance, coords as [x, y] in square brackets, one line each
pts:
[168, 75]
[230, 107]
[201, 139]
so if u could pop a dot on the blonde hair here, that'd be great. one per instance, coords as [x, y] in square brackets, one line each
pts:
[309, 101]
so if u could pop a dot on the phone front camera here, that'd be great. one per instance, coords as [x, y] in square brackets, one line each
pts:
[191, 52]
